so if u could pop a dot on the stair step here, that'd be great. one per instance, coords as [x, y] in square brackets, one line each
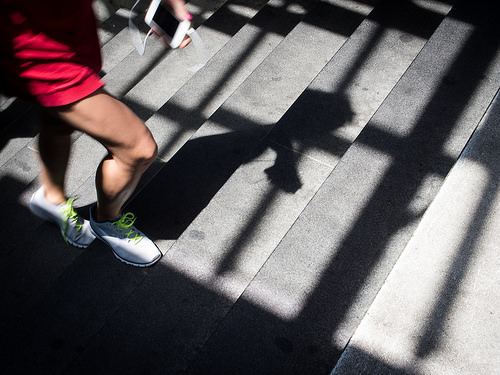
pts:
[200, 262]
[203, 82]
[176, 121]
[317, 285]
[238, 125]
[171, 65]
[171, 74]
[99, 253]
[429, 315]
[275, 316]
[440, 301]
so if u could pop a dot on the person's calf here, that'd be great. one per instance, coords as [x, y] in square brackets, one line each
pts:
[54, 145]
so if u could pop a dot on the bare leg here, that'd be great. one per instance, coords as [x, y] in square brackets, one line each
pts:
[49, 202]
[54, 145]
[129, 142]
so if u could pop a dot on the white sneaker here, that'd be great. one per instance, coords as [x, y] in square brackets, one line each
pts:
[75, 230]
[129, 244]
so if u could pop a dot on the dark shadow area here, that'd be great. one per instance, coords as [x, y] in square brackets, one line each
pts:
[320, 113]
[14, 214]
[31, 249]
[187, 183]
[364, 363]
[411, 18]
[227, 21]
[18, 120]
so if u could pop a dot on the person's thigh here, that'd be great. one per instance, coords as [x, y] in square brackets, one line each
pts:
[111, 123]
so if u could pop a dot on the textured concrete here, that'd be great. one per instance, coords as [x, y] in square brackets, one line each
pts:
[171, 67]
[225, 245]
[217, 34]
[294, 168]
[438, 311]
[175, 122]
[307, 300]
[210, 158]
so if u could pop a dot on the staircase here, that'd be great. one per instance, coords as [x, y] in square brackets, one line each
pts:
[306, 176]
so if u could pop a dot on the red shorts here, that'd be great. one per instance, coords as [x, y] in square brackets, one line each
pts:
[49, 50]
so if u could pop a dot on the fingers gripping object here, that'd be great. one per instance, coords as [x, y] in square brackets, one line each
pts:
[162, 22]
[166, 25]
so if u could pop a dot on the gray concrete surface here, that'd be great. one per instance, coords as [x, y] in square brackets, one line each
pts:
[295, 168]
[438, 311]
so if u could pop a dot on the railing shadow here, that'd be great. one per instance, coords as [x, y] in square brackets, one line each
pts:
[385, 214]
[434, 324]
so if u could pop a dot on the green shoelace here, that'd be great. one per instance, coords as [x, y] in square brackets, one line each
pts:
[70, 214]
[126, 222]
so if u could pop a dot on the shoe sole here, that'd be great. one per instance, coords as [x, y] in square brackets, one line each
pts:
[141, 265]
[41, 214]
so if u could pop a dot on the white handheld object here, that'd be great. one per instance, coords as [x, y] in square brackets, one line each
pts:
[165, 24]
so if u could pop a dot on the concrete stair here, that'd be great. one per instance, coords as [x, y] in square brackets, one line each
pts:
[302, 178]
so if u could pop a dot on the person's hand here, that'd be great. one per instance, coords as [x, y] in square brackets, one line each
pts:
[180, 11]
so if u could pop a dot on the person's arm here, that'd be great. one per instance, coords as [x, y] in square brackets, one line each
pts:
[179, 9]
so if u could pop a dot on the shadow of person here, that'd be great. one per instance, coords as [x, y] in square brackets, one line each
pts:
[283, 173]
[187, 183]
[306, 126]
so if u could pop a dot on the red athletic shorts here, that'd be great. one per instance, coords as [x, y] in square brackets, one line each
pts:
[49, 50]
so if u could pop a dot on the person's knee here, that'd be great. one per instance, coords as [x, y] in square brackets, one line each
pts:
[150, 152]
[145, 152]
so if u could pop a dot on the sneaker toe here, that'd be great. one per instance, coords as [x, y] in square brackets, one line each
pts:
[142, 254]
[80, 238]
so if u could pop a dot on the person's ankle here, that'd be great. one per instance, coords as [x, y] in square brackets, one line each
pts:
[100, 218]
[55, 198]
